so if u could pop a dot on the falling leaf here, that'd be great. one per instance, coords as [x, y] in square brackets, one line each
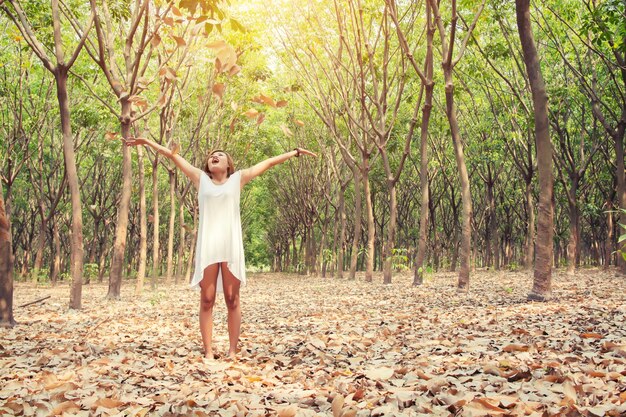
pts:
[156, 40]
[234, 106]
[110, 135]
[281, 103]
[218, 89]
[175, 148]
[216, 45]
[286, 130]
[162, 101]
[179, 40]
[299, 122]
[260, 118]
[252, 113]
[176, 11]
[267, 100]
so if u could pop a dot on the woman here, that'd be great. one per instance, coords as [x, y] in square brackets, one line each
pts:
[219, 262]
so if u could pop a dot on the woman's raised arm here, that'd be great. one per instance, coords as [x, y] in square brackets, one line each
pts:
[249, 174]
[192, 172]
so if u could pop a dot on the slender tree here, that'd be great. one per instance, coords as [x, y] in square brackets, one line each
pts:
[59, 67]
[542, 284]
[448, 63]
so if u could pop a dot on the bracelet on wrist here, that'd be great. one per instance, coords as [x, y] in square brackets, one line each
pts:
[297, 152]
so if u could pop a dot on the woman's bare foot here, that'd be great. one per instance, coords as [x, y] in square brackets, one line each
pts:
[209, 354]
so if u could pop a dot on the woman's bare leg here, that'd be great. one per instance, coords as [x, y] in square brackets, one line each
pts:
[207, 301]
[231, 296]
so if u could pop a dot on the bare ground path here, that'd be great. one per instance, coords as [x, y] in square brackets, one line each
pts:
[313, 346]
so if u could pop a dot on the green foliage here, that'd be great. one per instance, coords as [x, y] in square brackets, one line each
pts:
[399, 259]
[607, 24]
[40, 275]
[90, 271]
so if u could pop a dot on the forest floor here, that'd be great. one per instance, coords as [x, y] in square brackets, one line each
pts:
[328, 347]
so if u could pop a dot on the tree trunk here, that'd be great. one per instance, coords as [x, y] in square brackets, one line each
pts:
[172, 224]
[143, 225]
[56, 262]
[609, 247]
[530, 227]
[542, 285]
[181, 242]
[389, 244]
[121, 226]
[418, 277]
[466, 199]
[371, 226]
[342, 234]
[76, 245]
[6, 268]
[192, 246]
[621, 185]
[573, 246]
[155, 222]
[356, 238]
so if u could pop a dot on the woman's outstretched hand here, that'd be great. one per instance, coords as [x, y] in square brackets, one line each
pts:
[302, 151]
[136, 141]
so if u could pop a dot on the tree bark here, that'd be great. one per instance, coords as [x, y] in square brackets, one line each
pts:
[371, 226]
[356, 238]
[123, 208]
[542, 284]
[143, 225]
[155, 222]
[530, 227]
[6, 267]
[76, 258]
[172, 224]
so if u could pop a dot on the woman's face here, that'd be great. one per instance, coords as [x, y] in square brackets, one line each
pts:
[218, 161]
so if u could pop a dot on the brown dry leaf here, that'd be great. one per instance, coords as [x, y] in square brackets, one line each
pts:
[483, 407]
[314, 344]
[260, 118]
[176, 12]
[267, 100]
[515, 348]
[288, 411]
[218, 90]
[252, 113]
[156, 40]
[65, 407]
[175, 148]
[281, 103]
[569, 394]
[110, 135]
[379, 374]
[286, 130]
[162, 101]
[591, 335]
[234, 105]
[337, 405]
[179, 41]
[299, 122]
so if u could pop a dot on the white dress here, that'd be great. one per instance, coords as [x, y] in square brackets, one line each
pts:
[219, 229]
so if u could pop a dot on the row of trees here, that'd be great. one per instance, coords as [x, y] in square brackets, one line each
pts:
[436, 141]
